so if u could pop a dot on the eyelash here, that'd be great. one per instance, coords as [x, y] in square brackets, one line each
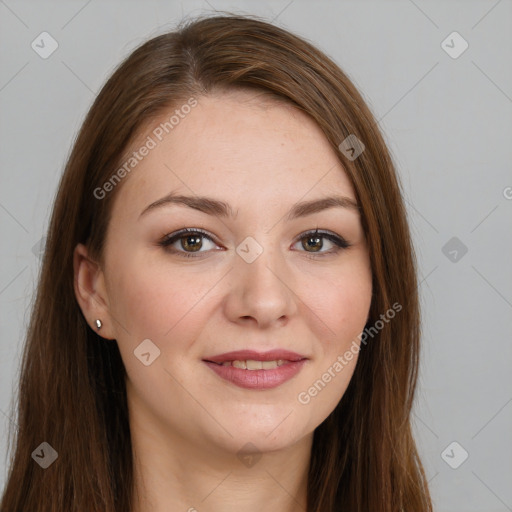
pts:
[168, 240]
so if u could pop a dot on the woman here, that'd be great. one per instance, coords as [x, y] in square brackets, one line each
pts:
[185, 352]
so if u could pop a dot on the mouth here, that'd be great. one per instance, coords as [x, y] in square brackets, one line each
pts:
[254, 364]
[254, 370]
[253, 356]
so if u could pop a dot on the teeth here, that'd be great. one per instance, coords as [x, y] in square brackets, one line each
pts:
[251, 364]
[254, 365]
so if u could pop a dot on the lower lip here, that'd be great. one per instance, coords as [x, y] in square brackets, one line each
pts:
[257, 379]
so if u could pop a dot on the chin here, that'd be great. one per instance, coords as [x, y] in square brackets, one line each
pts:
[277, 435]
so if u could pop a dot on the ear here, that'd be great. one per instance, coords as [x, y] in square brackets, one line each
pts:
[91, 293]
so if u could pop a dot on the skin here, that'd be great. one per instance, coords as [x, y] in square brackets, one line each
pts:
[187, 423]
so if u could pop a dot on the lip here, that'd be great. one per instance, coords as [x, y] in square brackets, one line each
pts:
[257, 379]
[243, 355]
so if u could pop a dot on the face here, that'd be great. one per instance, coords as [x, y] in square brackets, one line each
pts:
[256, 279]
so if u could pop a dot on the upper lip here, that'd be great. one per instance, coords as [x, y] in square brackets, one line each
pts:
[244, 355]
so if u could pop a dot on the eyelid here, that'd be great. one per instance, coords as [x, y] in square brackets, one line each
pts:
[339, 241]
[181, 232]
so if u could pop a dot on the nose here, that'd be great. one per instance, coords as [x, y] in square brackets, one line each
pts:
[262, 291]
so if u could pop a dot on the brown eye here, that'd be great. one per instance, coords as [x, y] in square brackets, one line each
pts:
[190, 241]
[314, 241]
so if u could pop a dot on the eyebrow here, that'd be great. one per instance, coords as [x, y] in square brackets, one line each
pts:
[218, 208]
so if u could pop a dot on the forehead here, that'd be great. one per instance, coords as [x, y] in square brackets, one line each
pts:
[234, 145]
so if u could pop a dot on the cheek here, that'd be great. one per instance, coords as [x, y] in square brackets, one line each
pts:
[353, 307]
[153, 301]
[344, 303]
[344, 309]
[164, 306]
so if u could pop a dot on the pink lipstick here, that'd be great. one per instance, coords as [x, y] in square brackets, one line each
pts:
[257, 370]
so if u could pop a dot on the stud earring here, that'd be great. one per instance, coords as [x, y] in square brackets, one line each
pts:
[98, 324]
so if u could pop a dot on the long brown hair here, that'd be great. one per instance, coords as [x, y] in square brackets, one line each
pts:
[72, 384]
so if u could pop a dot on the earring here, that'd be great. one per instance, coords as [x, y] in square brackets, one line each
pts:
[98, 324]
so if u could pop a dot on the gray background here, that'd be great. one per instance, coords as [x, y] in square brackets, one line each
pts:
[449, 126]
